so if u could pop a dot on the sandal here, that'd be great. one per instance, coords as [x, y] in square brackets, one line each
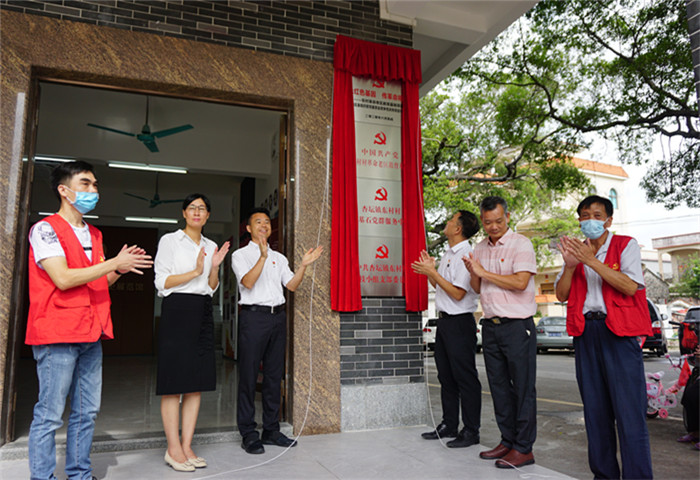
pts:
[688, 438]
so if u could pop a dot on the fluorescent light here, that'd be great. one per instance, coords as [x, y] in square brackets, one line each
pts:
[49, 158]
[147, 167]
[46, 214]
[150, 219]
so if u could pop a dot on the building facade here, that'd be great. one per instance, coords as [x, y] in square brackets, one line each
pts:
[264, 56]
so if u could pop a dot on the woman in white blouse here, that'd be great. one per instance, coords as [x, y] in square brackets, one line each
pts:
[187, 274]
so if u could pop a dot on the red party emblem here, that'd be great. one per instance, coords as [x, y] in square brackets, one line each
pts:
[380, 138]
[381, 194]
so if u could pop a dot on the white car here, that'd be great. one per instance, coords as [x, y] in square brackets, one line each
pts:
[478, 337]
[429, 331]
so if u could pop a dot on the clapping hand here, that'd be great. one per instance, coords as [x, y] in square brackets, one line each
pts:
[199, 266]
[575, 251]
[311, 256]
[424, 265]
[569, 259]
[219, 255]
[132, 259]
[262, 243]
[473, 265]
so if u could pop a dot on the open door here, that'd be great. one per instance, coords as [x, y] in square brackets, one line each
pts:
[18, 313]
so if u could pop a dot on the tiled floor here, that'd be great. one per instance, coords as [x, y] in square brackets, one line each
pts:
[384, 454]
[130, 407]
[130, 416]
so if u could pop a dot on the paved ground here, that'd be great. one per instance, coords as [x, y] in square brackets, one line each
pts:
[384, 454]
[561, 436]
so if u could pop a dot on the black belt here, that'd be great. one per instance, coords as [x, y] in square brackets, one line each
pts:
[445, 315]
[595, 316]
[263, 308]
[501, 320]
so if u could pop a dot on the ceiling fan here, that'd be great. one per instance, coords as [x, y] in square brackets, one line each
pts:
[146, 136]
[155, 201]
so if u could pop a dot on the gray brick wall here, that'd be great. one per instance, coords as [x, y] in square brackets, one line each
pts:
[299, 28]
[381, 344]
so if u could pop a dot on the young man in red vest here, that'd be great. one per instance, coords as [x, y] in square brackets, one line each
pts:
[69, 312]
[607, 314]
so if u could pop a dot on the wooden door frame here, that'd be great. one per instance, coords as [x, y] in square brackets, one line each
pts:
[19, 282]
[38, 76]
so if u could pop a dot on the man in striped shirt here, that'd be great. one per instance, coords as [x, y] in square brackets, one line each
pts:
[502, 270]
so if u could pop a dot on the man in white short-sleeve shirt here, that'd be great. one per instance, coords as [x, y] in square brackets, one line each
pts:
[455, 340]
[262, 326]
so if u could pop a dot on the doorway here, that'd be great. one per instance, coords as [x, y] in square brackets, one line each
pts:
[232, 153]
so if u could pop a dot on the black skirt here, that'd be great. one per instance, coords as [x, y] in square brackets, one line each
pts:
[186, 361]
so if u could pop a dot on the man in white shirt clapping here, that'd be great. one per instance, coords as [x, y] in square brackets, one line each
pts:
[455, 342]
[261, 273]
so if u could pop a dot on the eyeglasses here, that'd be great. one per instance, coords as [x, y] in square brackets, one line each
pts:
[197, 208]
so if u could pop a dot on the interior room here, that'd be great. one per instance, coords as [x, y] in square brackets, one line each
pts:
[149, 152]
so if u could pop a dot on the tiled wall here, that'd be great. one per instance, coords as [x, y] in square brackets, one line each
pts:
[381, 344]
[300, 28]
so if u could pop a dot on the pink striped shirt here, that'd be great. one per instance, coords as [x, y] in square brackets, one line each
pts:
[511, 254]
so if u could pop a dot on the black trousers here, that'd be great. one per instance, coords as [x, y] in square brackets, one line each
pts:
[691, 403]
[455, 350]
[261, 337]
[510, 355]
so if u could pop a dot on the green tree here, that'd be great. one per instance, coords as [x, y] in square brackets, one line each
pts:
[689, 283]
[619, 68]
[477, 144]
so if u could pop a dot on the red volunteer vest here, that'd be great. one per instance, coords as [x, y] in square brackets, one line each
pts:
[77, 315]
[627, 316]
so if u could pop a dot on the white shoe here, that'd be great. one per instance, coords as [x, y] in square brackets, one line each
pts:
[177, 466]
[198, 462]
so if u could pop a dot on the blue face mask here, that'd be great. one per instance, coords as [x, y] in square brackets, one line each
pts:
[593, 229]
[85, 201]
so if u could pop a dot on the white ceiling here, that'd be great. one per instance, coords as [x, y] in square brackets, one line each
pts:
[226, 144]
[225, 139]
[449, 32]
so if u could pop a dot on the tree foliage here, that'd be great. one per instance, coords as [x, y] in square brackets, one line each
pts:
[618, 68]
[689, 283]
[509, 120]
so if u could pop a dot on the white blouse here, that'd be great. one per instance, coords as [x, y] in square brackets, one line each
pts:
[177, 253]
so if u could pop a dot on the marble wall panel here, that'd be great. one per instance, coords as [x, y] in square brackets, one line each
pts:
[49, 48]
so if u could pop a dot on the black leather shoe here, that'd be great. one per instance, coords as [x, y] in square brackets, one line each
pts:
[277, 438]
[253, 445]
[464, 439]
[442, 431]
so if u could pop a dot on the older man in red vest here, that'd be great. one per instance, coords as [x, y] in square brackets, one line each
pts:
[69, 312]
[608, 317]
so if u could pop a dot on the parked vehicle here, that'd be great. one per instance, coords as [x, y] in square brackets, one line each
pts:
[478, 337]
[657, 342]
[429, 331]
[551, 333]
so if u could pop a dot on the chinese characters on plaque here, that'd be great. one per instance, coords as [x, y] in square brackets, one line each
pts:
[378, 161]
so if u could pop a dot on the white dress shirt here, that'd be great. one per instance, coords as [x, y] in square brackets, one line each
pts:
[275, 274]
[452, 269]
[177, 253]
